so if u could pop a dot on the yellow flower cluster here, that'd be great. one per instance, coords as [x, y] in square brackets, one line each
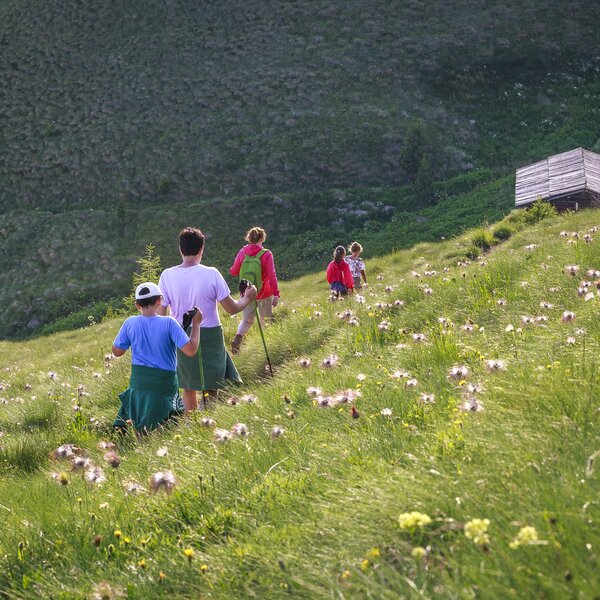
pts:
[413, 520]
[476, 530]
[526, 536]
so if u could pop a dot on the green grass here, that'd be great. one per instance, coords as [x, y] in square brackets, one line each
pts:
[314, 513]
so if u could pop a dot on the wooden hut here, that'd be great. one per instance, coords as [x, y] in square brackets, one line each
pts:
[570, 181]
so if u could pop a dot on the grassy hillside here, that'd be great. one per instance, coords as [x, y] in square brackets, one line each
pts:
[138, 102]
[320, 510]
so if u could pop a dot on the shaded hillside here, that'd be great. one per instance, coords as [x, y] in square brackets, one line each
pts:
[130, 103]
[51, 265]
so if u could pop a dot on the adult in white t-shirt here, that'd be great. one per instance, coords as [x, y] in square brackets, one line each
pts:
[194, 284]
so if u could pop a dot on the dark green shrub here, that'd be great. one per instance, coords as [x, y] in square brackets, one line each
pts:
[472, 252]
[164, 184]
[481, 238]
[502, 232]
[539, 211]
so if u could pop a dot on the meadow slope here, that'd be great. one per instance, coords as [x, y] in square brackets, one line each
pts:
[509, 435]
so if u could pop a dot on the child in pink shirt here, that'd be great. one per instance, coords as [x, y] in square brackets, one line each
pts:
[268, 294]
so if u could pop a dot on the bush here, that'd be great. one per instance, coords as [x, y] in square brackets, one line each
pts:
[502, 232]
[482, 238]
[539, 211]
[472, 252]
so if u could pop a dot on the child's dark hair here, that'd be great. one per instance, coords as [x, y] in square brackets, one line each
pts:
[191, 241]
[146, 302]
[338, 253]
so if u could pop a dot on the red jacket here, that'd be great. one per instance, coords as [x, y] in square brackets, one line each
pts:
[269, 277]
[340, 272]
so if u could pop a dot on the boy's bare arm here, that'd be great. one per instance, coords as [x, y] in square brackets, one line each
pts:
[118, 351]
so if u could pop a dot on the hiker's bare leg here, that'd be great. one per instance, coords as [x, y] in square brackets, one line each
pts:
[190, 401]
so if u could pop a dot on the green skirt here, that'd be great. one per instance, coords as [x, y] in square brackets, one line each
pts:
[211, 368]
[151, 399]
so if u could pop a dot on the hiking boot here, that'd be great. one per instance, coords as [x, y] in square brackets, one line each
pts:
[236, 342]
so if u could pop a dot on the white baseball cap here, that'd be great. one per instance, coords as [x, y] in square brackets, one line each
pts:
[147, 290]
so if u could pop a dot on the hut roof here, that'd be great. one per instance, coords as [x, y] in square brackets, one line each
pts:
[558, 176]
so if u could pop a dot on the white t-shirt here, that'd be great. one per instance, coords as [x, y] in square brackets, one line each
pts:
[186, 287]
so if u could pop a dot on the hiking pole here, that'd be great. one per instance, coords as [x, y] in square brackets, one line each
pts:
[262, 335]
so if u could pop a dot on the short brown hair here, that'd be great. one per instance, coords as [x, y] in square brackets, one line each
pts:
[355, 247]
[191, 241]
[255, 235]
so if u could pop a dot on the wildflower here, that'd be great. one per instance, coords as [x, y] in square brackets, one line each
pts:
[388, 289]
[324, 402]
[240, 429]
[410, 383]
[384, 325]
[587, 238]
[79, 463]
[233, 400]
[531, 247]
[360, 299]
[53, 376]
[443, 321]
[568, 316]
[61, 478]
[162, 451]
[305, 363]
[476, 530]
[527, 536]
[118, 533]
[208, 422]
[163, 480]
[495, 365]
[106, 446]
[113, 459]
[398, 303]
[564, 234]
[468, 327]
[546, 305]
[104, 591]
[592, 274]
[501, 302]
[386, 412]
[541, 319]
[419, 337]
[427, 399]
[318, 313]
[571, 341]
[329, 362]
[413, 520]
[416, 275]
[161, 577]
[361, 377]
[133, 487]
[347, 396]
[401, 346]
[381, 305]
[379, 277]
[221, 435]
[400, 374]
[509, 328]
[249, 399]
[95, 475]
[277, 431]
[418, 552]
[189, 554]
[458, 372]
[204, 569]
[471, 405]
[314, 391]
[66, 451]
[427, 291]
[473, 388]
[364, 565]
[589, 296]
[571, 270]
[354, 322]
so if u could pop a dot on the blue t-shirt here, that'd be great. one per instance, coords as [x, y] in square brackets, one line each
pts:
[153, 341]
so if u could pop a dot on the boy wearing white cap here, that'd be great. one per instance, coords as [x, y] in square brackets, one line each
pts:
[153, 393]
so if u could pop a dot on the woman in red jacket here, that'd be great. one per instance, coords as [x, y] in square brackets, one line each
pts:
[268, 293]
[339, 275]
